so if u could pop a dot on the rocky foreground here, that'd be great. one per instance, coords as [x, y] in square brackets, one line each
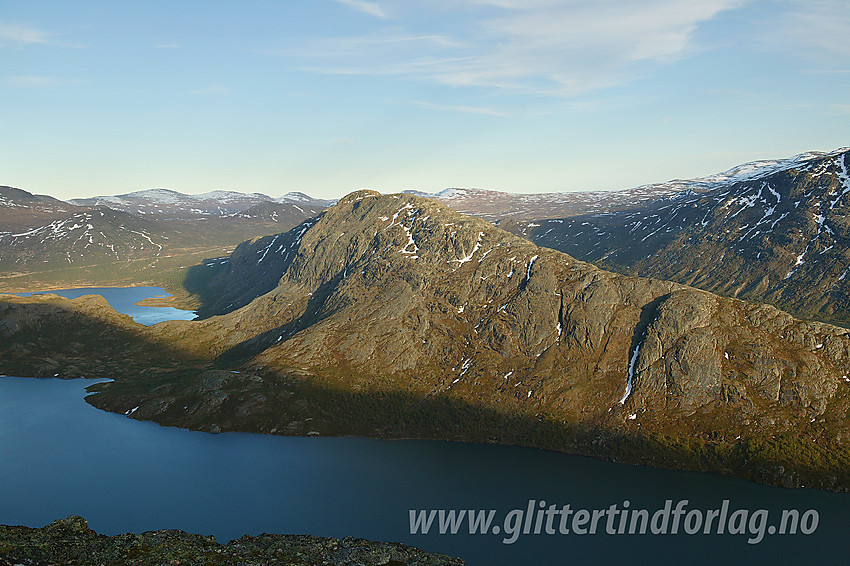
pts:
[70, 541]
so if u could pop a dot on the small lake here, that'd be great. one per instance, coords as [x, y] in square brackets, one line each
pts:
[124, 299]
[60, 456]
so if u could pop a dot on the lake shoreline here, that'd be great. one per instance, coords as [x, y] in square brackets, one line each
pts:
[147, 305]
[179, 297]
[158, 378]
[150, 477]
[179, 375]
[90, 397]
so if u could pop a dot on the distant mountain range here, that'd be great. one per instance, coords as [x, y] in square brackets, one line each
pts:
[771, 231]
[396, 316]
[497, 206]
[164, 203]
[149, 230]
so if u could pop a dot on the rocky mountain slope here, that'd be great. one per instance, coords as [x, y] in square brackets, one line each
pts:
[396, 316]
[21, 211]
[85, 237]
[70, 541]
[777, 234]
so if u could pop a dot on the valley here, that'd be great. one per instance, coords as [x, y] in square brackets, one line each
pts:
[147, 237]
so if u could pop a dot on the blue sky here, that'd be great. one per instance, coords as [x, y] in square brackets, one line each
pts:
[328, 96]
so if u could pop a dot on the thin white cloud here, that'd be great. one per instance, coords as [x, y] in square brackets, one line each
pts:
[816, 29]
[371, 8]
[421, 68]
[369, 48]
[32, 81]
[20, 34]
[572, 47]
[554, 47]
[167, 45]
[394, 37]
[386, 52]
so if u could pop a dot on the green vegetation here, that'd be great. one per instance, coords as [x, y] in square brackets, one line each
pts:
[169, 272]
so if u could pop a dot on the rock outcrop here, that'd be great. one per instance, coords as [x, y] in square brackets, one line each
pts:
[71, 542]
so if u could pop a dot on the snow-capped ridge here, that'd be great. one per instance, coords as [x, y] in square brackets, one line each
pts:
[228, 196]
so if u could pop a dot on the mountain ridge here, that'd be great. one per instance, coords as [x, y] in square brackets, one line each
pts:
[170, 203]
[515, 205]
[780, 238]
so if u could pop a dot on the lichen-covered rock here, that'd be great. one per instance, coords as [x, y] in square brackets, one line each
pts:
[71, 542]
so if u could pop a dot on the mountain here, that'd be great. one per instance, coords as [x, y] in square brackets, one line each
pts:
[497, 206]
[165, 203]
[396, 316]
[11, 197]
[776, 233]
[20, 210]
[275, 211]
[87, 237]
[104, 235]
[295, 197]
[147, 236]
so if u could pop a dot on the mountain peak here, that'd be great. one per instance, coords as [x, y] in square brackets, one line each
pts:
[360, 195]
[163, 196]
[397, 292]
[297, 197]
[765, 167]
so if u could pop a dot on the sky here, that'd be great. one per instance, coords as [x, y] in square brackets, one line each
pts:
[330, 96]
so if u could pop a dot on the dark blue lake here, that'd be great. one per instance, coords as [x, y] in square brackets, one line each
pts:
[124, 299]
[60, 456]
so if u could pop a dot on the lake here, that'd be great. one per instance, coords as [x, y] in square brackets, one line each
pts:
[124, 299]
[60, 456]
